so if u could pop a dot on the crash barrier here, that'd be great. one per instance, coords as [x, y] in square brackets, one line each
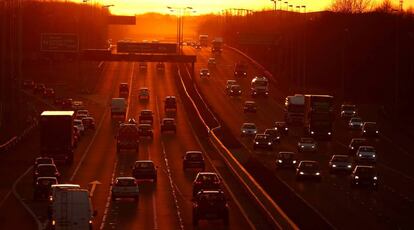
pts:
[12, 142]
[269, 208]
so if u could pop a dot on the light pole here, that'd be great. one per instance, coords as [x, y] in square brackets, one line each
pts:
[345, 38]
[274, 1]
[180, 23]
[304, 49]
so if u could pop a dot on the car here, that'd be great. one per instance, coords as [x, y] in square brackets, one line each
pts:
[248, 129]
[211, 61]
[43, 160]
[286, 159]
[355, 123]
[235, 90]
[143, 66]
[240, 69]
[76, 135]
[160, 66]
[274, 135]
[170, 106]
[364, 175]
[80, 116]
[39, 88]
[370, 129]
[193, 159]
[123, 90]
[57, 101]
[144, 170]
[206, 181]
[340, 163]
[143, 94]
[88, 122]
[77, 105]
[229, 83]
[348, 110]
[250, 106]
[197, 46]
[48, 93]
[67, 103]
[307, 144]
[282, 127]
[82, 112]
[262, 141]
[45, 170]
[28, 84]
[78, 123]
[204, 72]
[146, 117]
[42, 187]
[125, 187]
[145, 130]
[168, 124]
[127, 137]
[354, 145]
[308, 169]
[366, 154]
[210, 204]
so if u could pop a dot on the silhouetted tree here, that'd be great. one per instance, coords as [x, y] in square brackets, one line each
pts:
[351, 6]
[385, 7]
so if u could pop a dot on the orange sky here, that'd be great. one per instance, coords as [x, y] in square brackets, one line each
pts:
[131, 7]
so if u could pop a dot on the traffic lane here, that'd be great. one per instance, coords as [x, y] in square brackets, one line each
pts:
[14, 216]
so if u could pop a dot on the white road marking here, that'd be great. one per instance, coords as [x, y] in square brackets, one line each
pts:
[5, 198]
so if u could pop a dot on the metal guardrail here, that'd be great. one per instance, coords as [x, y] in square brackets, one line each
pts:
[273, 212]
[12, 142]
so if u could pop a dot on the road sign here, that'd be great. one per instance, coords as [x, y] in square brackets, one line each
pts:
[59, 42]
[146, 47]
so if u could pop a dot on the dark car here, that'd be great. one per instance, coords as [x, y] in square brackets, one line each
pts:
[206, 181]
[364, 175]
[145, 130]
[250, 106]
[193, 159]
[210, 205]
[348, 110]
[168, 124]
[308, 169]
[274, 135]
[286, 160]
[43, 160]
[146, 117]
[354, 145]
[143, 66]
[144, 170]
[88, 122]
[28, 84]
[45, 170]
[282, 127]
[128, 137]
[42, 187]
[39, 88]
[262, 141]
[58, 101]
[49, 93]
[370, 129]
[67, 103]
[160, 66]
[123, 90]
[235, 90]
[340, 163]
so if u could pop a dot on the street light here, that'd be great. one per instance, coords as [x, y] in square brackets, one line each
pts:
[180, 23]
[274, 1]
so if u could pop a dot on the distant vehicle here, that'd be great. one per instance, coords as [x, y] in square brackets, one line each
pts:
[340, 163]
[286, 159]
[319, 116]
[145, 130]
[28, 84]
[143, 66]
[282, 127]
[229, 83]
[58, 101]
[193, 159]
[77, 105]
[88, 122]
[125, 187]
[248, 129]
[79, 124]
[168, 124]
[43, 160]
[294, 109]
[49, 93]
[262, 141]
[42, 188]
[307, 144]
[67, 103]
[144, 170]
[354, 145]
[197, 46]
[76, 136]
[118, 107]
[206, 181]
[250, 106]
[274, 135]
[160, 67]
[80, 117]
[366, 154]
[143, 94]
[259, 86]
[83, 112]
[370, 129]
[348, 110]
[217, 45]
[127, 138]
[211, 61]
[355, 123]
[146, 117]
[203, 40]
[45, 170]
[72, 209]
[170, 106]
[204, 72]
[240, 69]
[210, 204]
[56, 135]
[364, 175]
[123, 90]
[39, 88]
[308, 169]
[235, 90]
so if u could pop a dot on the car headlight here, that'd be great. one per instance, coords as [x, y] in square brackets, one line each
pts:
[313, 146]
[353, 112]
[244, 131]
[294, 162]
[302, 146]
[329, 133]
[255, 131]
[333, 166]
[267, 93]
[286, 129]
[377, 131]
[365, 131]
[231, 91]
[375, 178]
[239, 91]
[349, 166]
[256, 142]
[373, 156]
[360, 155]
[208, 74]
[356, 177]
[245, 73]
[352, 148]
[317, 174]
[235, 72]
[301, 173]
[312, 132]
[280, 161]
[269, 143]
[277, 137]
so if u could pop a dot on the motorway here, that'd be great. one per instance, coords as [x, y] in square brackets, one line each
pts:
[164, 205]
[391, 207]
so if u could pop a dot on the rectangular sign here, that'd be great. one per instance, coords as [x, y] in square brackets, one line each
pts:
[121, 20]
[146, 47]
[59, 42]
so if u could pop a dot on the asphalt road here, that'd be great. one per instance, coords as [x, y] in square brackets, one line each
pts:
[391, 207]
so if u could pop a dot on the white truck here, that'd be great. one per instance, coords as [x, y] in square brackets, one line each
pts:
[118, 107]
[72, 209]
[294, 109]
[259, 86]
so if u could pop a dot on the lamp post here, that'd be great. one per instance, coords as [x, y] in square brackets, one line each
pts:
[274, 1]
[304, 49]
[180, 23]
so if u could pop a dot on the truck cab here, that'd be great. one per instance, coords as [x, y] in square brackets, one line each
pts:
[294, 109]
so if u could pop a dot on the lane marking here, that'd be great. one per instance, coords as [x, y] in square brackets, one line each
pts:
[154, 211]
[5, 198]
